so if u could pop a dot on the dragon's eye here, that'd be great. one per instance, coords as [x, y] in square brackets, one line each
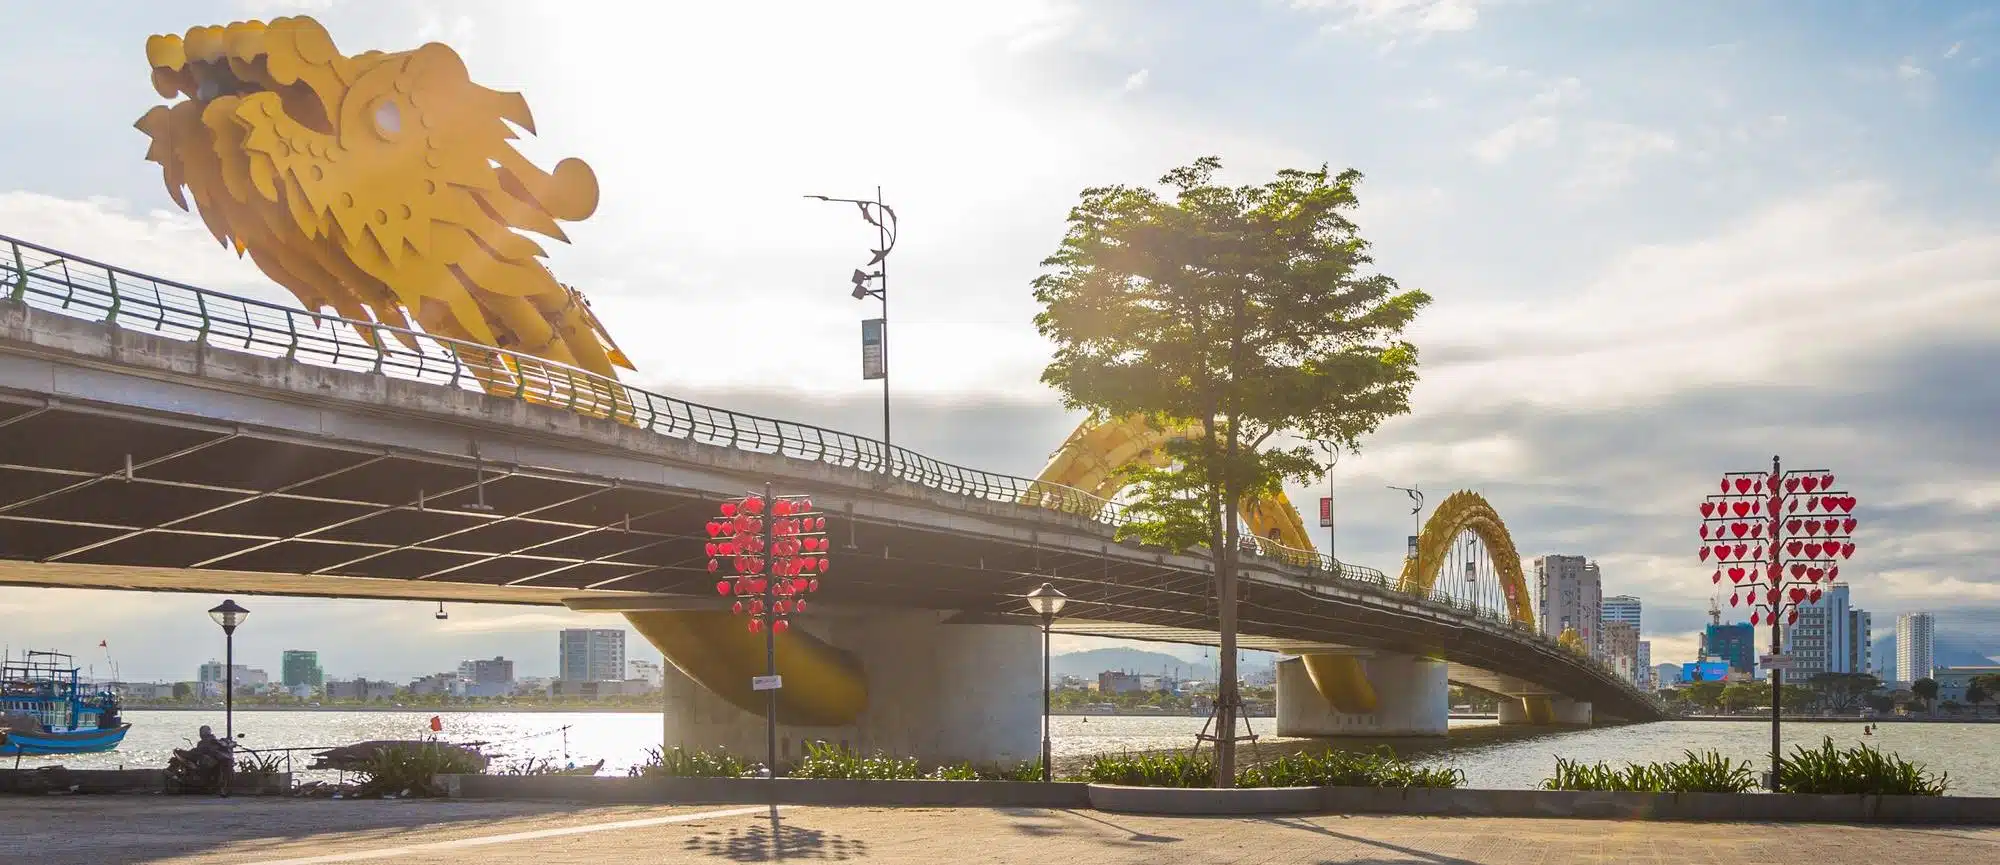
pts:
[388, 118]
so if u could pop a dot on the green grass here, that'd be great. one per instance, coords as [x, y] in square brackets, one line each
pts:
[1174, 769]
[683, 763]
[1378, 768]
[1860, 769]
[1707, 772]
[412, 770]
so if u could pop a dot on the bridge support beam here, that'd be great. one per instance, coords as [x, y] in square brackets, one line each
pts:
[1382, 694]
[1544, 709]
[941, 693]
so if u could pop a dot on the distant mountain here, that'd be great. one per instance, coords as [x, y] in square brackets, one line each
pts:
[1088, 664]
[1947, 650]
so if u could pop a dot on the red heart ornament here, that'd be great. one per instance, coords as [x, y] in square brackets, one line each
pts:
[1847, 552]
[1826, 481]
[1812, 527]
[1725, 486]
[1798, 570]
[1753, 618]
[1812, 503]
[1792, 618]
[1735, 575]
[1812, 550]
[1708, 509]
[1742, 485]
[1717, 578]
[1704, 531]
[1741, 508]
[1833, 572]
[1797, 594]
[1793, 507]
[1739, 550]
[1733, 599]
[1791, 485]
[1793, 547]
[1792, 526]
[1814, 574]
[1772, 597]
[1813, 596]
[1848, 524]
[1704, 554]
[1739, 529]
[1809, 484]
[1759, 554]
[1757, 507]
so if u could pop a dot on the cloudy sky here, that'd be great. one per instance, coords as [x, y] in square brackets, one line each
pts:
[1665, 240]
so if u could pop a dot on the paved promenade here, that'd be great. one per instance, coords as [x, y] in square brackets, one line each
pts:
[97, 830]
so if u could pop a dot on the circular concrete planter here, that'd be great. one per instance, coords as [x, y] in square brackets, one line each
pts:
[1205, 800]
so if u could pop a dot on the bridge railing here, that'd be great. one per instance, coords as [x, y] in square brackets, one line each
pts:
[56, 281]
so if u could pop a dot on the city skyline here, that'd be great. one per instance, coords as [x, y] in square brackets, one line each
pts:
[1461, 121]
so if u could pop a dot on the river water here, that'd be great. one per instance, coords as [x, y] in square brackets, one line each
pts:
[1970, 752]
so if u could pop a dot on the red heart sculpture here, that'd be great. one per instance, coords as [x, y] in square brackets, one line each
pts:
[1725, 486]
[1813, 596]
[1847, 552]
[1848, 524]
[1704, 531]
[1826, 481]
[1809, 484]
[1733, 599]
[1739, 529]
[1772, 595]
[1736, 575]
[1833, 573]
[1759, 554]
[1797, 594]
[1757, 507]
[1708, 509]
[1753, 618]
[1704, 554]
[1791, 485]
[1812, 526]
[1793, 547]
[1741, 508]
[1717, 578]
[1742, 485]
[1757, 530]
[1792, 618]
[1793, 507]
[1798, 570]
[1792, 526]
[1812, 550]
[1814, 574]
[1740, 548]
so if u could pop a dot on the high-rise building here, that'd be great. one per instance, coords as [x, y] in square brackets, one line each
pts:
[591, 655]
[1666, 675]
[1914, 645]
[1621, 649]
[300, 667]
[1569, 592]
[1617, 608]
[496, 671]
[1736, 644]
[1645, 667]
[1860, 649]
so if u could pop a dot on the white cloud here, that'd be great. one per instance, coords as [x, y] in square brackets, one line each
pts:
[1953, 50]
[1399, 16]
[1908, 70]
[1562, 91]
[1500, 144]
[1137, 80]
[1611, 151]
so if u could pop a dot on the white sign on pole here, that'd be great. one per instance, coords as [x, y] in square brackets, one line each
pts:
[874, 337]
[766, 683]
[1775, 662]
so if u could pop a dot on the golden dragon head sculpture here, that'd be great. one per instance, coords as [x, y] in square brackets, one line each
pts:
[382, 185]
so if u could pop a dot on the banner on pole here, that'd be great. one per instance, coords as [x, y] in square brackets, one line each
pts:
[874, 336]
[1326, 512]
[1413, 547]
[766, 683]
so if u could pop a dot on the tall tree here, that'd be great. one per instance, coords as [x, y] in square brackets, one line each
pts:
[1244, 311]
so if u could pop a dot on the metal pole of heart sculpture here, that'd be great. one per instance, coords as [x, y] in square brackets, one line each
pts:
[1777, 537]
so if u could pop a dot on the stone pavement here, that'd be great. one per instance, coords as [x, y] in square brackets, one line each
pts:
[97, 830]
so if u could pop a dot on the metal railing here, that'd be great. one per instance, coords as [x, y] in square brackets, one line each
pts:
[69, 285]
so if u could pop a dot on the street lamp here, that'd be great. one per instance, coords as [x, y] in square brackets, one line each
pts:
[875, 332]
[229, 614]
[1046, 601]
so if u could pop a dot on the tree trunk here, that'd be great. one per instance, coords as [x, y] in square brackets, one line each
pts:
[1228, 698]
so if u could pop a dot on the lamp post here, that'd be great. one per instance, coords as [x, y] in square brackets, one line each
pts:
[228, 614]
[1046, 601]
[1332, 533]
[883, 217]
[1416, 510]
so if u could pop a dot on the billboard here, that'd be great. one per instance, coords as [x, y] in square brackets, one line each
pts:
[1705, 671]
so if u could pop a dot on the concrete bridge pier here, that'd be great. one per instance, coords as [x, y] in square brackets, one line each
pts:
[900, 682]
[1364, 694]
[1544, 709]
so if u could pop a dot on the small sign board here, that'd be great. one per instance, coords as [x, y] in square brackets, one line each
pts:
[766, 683]
[1775, 662]
[874, 344]
[1326, 512]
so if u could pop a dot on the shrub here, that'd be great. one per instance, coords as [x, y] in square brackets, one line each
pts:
[1174, 769]
[1378, 768]
[827, 761]
[1707, 772]
[261, 765]
[1860, 769]
[682, 763]
[412, 769]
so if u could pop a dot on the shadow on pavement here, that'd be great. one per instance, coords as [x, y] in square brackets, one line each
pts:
[772, 841]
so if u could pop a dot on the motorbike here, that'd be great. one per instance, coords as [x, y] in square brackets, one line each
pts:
[203, 767]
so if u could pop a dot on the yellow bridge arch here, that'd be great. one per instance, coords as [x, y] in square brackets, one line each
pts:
[1467, 511]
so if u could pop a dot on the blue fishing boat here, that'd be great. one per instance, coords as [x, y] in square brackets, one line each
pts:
[45, 708]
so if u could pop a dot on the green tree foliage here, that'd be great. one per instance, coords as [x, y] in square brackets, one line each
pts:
[1246, 311]
[1841, 692]
[1707, 695]
[1925, 689]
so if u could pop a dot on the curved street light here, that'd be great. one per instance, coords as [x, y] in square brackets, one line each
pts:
[883, 217]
